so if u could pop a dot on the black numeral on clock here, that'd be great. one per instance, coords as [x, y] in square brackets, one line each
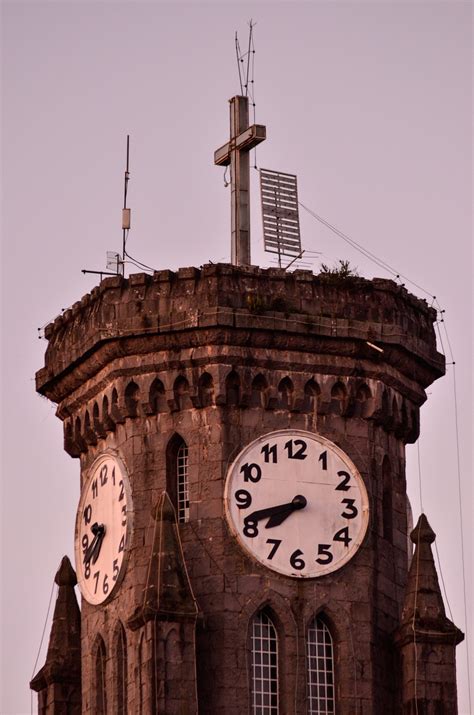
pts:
[295, 561]
[243, 499]
[95, 489]
[268, 452]
[323, 458]
[115, 570]
[96, 577]
[87, 569]
[105, 585]
[250, 528]
[252, 472]
[351, 511]
[276, 543]
[324, 554]
[124, 515]
[87, 514]
[300, 452]
[344, 485]
[122, 543]
[343, 535]
[103, 475]
[122, 490]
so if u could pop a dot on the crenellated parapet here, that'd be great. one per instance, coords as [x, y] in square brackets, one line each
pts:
[224, 335]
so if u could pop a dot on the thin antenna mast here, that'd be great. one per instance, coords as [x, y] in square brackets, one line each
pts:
[239, 61]
[125, 210]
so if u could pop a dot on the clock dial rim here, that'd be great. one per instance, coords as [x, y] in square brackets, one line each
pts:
[325, 443]
[92, 471]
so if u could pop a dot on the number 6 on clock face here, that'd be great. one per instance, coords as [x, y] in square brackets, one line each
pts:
[296, 503]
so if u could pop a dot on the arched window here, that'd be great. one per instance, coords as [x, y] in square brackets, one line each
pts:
[100, 679]
[363, 401]
[259, 389]
[122, 675]
[285, 389]
[132, 393]
[338, 399]
[232, 388]
[311, 392]
[156, 397]
[181, 393]
[206, 390]
[177, 476]
[182, 482]
[320, 668]
[264, 652]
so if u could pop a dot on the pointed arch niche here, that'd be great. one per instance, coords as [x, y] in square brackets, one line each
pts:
[177, 476]
[100, 689]
[122, 671]
[320, 668]
[264, 664]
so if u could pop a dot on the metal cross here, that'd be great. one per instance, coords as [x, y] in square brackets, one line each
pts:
[236, 153]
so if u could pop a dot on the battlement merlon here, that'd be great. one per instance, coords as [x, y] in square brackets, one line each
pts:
[222, 304]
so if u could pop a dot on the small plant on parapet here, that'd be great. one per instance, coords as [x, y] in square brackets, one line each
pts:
[342, 271]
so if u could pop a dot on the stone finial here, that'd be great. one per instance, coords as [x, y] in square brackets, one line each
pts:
[168, 593]
[63, 659]
[423, 607]
[422, 532]
[65, 575]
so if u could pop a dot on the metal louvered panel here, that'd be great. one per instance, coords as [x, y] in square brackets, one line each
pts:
[281, 223]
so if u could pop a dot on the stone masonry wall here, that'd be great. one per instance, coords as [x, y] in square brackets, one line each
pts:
[220, 356]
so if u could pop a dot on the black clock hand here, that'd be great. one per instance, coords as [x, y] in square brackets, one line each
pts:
[98, 530]
[88, 552]
[100, 538]
[279, 513]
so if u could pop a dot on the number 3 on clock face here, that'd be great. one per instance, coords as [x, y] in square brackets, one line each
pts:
[296, 503]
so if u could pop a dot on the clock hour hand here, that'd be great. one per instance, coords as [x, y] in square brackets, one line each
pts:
[98, 530]
[100, 538]
[278, 514]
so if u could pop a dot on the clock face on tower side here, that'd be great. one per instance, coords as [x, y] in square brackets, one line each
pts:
[103, 529]
[296, 503]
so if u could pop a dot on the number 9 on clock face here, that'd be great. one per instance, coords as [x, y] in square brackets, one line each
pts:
[296, 503]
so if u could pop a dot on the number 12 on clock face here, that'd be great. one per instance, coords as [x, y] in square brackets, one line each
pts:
[296, 503]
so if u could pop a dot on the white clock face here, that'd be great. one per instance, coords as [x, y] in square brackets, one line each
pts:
[103, 529]
[296, 503]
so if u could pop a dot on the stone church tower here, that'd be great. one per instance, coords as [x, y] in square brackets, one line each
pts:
[175, 374]
[210, 409]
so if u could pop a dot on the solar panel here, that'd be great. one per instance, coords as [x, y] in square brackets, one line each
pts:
[281, 223]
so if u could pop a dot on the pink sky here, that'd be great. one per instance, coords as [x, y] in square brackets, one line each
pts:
[369, 103]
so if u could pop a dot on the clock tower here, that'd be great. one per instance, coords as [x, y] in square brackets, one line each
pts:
[242, 534]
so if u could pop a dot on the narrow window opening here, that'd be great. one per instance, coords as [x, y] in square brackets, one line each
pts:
[320, 669]
[100, 680]
[264, 653]
[182, 482]
[122, 675]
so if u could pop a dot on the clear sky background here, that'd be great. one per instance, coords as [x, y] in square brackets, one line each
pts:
[369, 103]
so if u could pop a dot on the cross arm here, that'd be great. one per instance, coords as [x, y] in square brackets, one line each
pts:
[244, 142]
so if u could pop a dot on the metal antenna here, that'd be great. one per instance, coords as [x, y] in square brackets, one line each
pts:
[239, 61]
[241, 58]
[115, 264]
[125, 210]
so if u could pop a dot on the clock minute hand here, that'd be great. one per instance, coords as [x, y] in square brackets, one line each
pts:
[279, 513]
[98, 530]
[100, 537]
